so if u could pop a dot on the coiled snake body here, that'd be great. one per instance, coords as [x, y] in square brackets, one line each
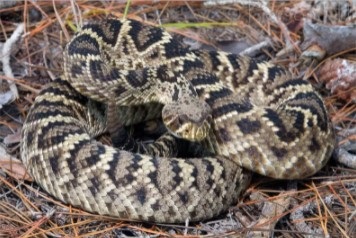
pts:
[263, 120]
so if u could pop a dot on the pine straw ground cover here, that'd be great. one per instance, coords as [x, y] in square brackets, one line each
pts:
[320, 206]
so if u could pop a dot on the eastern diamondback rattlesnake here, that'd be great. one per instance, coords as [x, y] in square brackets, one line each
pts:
[263, 120]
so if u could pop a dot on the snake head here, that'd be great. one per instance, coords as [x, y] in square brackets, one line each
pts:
[188, 118]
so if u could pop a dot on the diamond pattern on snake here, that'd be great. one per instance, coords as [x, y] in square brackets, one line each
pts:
[251, 116]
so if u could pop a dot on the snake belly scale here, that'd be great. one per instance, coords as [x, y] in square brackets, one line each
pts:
[262, 120]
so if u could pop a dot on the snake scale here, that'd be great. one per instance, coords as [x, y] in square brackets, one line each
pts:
[261, 120]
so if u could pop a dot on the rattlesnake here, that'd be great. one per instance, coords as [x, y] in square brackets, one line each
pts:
[263, 120]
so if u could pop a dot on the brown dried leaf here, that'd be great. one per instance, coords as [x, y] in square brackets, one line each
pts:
[13, 166]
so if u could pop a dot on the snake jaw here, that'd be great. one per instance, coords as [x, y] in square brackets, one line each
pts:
[190, 120]
[189, 131]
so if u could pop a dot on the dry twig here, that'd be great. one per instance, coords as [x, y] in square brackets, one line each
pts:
[261, 4]
[331, 39]
[5, 58]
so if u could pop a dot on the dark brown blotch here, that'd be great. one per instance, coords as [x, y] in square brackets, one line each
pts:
[282, 133]
[223, 136]
[234, 61]
[141, 195]
[84, 45]
[242, 107]
[171, 212]
[248, 126]
[156, 206]
[119, 90]
[177, 180]
[274, 71]
[279, 152]
[75, 70]
[253, 152]
[184, 197]
[251, 66]
[314, 145]
[144, 36]
[75, 152]
[95, 184]
[216, 95]
[53, 161]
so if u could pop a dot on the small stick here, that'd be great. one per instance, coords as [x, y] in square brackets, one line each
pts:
[5, 58]
[262, 5]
